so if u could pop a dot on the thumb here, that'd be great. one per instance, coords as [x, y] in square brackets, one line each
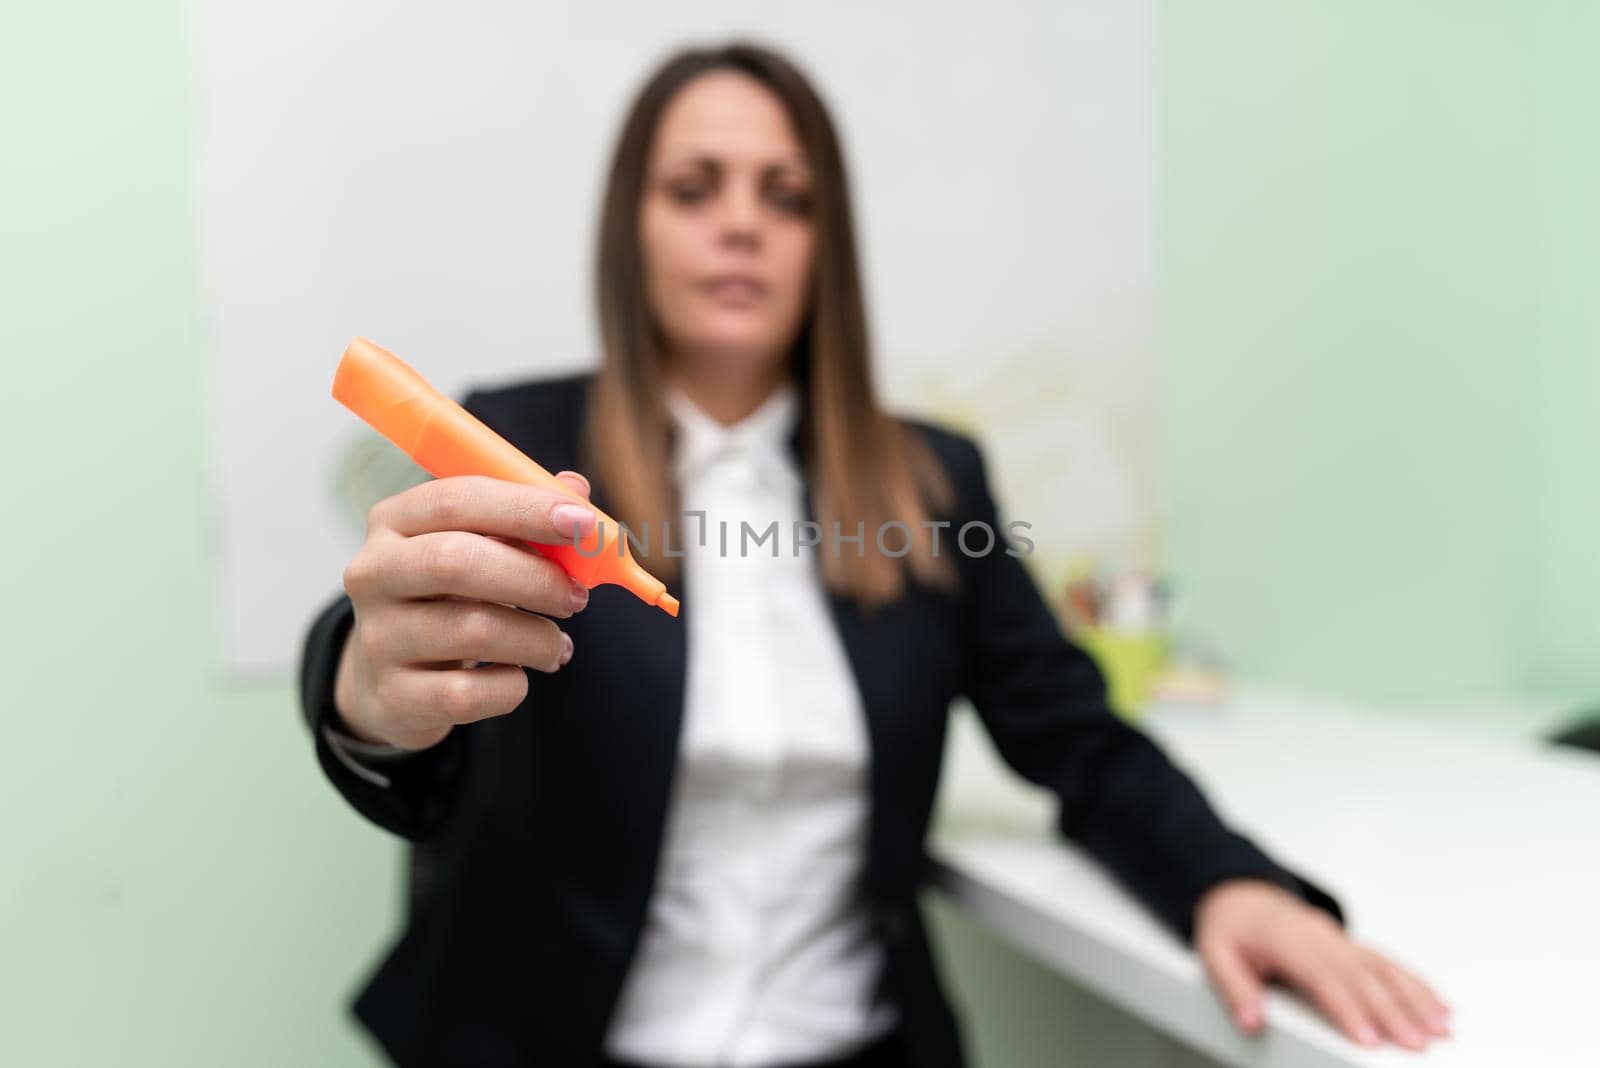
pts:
[1236, 982]
[574, 481]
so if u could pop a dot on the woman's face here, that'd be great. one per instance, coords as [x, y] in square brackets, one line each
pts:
[725, 225]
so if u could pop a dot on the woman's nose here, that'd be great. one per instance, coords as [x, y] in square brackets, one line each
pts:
[741, 216]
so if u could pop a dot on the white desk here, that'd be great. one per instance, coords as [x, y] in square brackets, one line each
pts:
[1471, 853]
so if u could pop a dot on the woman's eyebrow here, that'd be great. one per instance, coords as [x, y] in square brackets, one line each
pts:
[795, 168]
[710, 161]
[699, 161]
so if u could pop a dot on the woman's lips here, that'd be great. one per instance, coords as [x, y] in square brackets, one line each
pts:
[734, 289]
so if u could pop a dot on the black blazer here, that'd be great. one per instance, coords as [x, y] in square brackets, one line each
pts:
[536, 834]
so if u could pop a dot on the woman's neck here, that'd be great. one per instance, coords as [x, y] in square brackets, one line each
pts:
[727, 396]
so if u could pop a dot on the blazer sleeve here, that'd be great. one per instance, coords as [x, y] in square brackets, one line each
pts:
[1043, 701]
[408, 795]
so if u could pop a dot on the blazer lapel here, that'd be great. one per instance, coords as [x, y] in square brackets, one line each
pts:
[859, 634]
[649, 653]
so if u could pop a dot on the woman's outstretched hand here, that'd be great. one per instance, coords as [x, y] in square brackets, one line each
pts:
[442, 584]
[1248, 932]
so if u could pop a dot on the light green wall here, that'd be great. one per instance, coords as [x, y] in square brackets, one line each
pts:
[1565, 628]
[177, 886]
[1378, 355]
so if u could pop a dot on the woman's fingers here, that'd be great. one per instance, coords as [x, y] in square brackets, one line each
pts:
[434, 632]
[1336, 996]
[1430, 1013]
[575, 480]
[459, 695]
[444, 579]
[457, 564]
[485, 505]
[1236, 981]
[1246, 933]
[1385, 1007]
[1321, 962]
[1352, 986]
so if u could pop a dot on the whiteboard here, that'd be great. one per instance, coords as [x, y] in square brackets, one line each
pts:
[428, 175]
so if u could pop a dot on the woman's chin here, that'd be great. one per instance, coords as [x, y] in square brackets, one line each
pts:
[740, 349]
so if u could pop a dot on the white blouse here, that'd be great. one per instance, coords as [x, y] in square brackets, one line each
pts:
[759, 946]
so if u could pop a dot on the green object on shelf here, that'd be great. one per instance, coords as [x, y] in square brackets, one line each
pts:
[1129, 661]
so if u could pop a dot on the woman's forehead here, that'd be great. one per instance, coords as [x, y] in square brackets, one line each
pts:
[731, 118]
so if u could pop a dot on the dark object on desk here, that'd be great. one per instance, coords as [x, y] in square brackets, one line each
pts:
[1585, 734]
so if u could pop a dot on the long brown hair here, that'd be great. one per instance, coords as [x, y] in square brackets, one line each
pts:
[866, 468]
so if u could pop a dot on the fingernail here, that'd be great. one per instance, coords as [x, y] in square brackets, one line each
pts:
[1247, 1019]
[566, 653]
[572, 520]
[580, 595]
[1367, 1036]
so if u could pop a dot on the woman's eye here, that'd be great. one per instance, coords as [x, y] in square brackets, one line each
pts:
[791, 201]
[688, 193]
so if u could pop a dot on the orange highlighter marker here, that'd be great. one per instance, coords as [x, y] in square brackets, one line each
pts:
[447, 440]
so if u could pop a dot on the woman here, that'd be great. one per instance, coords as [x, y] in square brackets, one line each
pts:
[641, 841]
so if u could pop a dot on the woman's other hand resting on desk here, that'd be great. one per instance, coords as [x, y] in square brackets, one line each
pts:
[439, 586]
[1248, 932]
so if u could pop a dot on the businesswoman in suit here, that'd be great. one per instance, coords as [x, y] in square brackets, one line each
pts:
[698, 842]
